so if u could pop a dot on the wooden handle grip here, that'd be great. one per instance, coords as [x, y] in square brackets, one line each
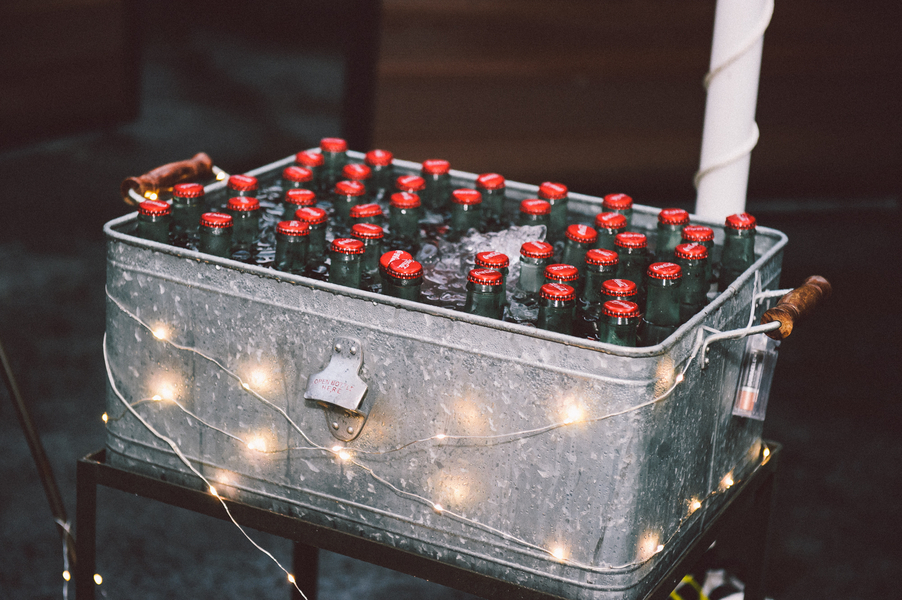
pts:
[199, 166]
[796, 305]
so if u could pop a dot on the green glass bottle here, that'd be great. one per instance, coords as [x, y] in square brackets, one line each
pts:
[154, 220]
[241, 185]
[601, 265]
[296, 199]
[632, 249]
[738, 253]
[619, 289]
[187, 207]
[380, 164]
[371, 235]
[662, 307]
[436, 173]
[216, 234]
[404, 277]
[466, 211]
[295, 177]
[346, 267]
[346, 195]
[484, 293]
[555, 194]
[561, 273]
[335, 156]
[292, 240]
[492, 187]
[317, 220]
[534, 257]
[693, 259]
[556, 307]
[621, 319]
[366, 213]
[535, 212]
[403, 217]
[670, 231]
[608, 225]
[619, 203]
[313, 161]
[496, 261]
[579, 240]
[412, 184]
[245, 212]
[362, 173]
[702, 235]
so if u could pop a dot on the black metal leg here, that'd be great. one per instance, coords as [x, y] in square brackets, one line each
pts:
[757, 538]
[86, 529]
[305, 566]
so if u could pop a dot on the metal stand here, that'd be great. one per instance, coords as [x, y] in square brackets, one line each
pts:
[743, 521]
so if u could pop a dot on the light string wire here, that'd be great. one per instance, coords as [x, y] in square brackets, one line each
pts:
[66, 574]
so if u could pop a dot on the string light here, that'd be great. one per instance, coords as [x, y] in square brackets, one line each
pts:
[214, 492]
[694, 506]
[573, 414]
[258, 444]
[67, 575]
[727, 482]
[105, 417]
[659, 548]
[440, 436]
[151, 195]
[291, 578]
[680, 377]
[98, 579]
[437, 508]
[221, 175]
[160, 333]
[558, 553]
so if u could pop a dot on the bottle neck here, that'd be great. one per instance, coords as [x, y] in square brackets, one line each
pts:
[556, 316]
[531, 274]
[662, 306]
[620, 331]
[484, 300]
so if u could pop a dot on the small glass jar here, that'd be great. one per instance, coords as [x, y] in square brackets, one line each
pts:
[619, 289]
[371, 235]
[535, 212]
[187, 207]
[366, 213]
[245, 212]
[555, 194]
[296, 199]
[534, 257]
[670, 231]
[621, 319]
[296, 177]
[346, 265]
[335, 156]
[292, 241]
[662, 307]
[241, 185]
[556, 307]
[359, 172]
[466, 211]
[380, 164]
[485, 293]
[492, 187]
[619, 203]
[403, 279]
[346, 195]
[316, 219]
[313, 161]
[738, 253]
[403, 217]
[154, 220]
[579, 239]
[436, 175]
[496, 261]
[216, 234]
[693, 259]
[608, 225]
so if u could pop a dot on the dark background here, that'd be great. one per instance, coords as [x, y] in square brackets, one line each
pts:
[601, 96]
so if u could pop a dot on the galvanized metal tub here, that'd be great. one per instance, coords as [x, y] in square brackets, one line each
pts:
[501, 478]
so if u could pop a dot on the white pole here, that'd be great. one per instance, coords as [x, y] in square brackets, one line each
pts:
[730, 131]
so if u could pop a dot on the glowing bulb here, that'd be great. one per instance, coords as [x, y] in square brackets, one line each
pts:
[659, 548]
[291, 578]
[573, 414]
[98, 579]
[694, 506]
[558, 553]
[67, 575]
[245, 386]
[258, 378]
[213, 491]
[150, 195]
[765, 453]
[728, 482]
[336, 448]
[157, 398]
[257, 444]
[679, 378]
[160, 333]
[166, 393]
[221, 175]
[440, 436]
[437, 508]
[106, 418]
[343, 455]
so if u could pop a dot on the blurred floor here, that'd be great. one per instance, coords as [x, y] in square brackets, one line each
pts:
[832, 403]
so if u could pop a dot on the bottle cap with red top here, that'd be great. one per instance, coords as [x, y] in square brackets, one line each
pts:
[490, 181]
[552, 191]
[333, 144]
[698, 233]
[673, 216]
[582, 234]
[631, 239]
[242, 183]
[537, 250]
[367, 231]
[356, 172]
[243, 204]
[405, 200]
[466, 196]
[436, 166]
[350, 188]
[216, 220]
[188, 190]
[623, 309]
[534, 206]
[347, 246]
[558, 292]
[311, 215]
[391, 256]
[600, 256]
[741, 221]
[665, 270]
[297, 174]
[691, 251]
[485, 276]
[411, 183]
[293, 228]
[492, 260]
[561, 272]
[617, 202]
[309, 159]
[300, 197]
[405, 268]
[622, 288]
[610, 220]
[378, 158]
[154, 208]
[360, 211]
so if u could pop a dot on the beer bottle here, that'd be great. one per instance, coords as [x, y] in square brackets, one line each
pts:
[484, 293]
[241, 185]
[580, 238]
[534, 257]
[608, 225]
[359, 172]
[380, 164]
[366, 213]
[292, 240]
[670, 230]
[492, 188]
[154, 218]
[437, 179]
[738, 251]
[466, 211]
[296, 199]
[662, 308]
[335, 156]
[555, 194]
[619, 203]
[632, 252]
[535, 212]
[601, 265]
[705, 236]
[316, 219]
[556, 305]
[403, 217]
[187, 207]
[216, 234]
[347, 194]
[346, 266]
[621, 318]
[314, 162]
[404, 277]
[693, 259]
[371, 235]
[245, 212]
[295, 177]
[619, 289]
[498, 262]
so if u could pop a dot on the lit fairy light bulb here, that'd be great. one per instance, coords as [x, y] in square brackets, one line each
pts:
[558, 553]
[258, 444]
[166, 393]
[157, 398]
[214, 492]
[291, 578]
[437, 508]
[160, 332]
[98, 579]
[573, 414]
[259, 378]
[342, 453]
[650, 545]
[67, 575]
[659, 548]
[440, 436]
[765, 453]
[680, 377]
[105, 418]
[151, 195]
[221, 175]
[694, 506]
[727, 482]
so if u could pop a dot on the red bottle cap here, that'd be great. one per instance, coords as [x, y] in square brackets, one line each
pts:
[582, 234]
[293, 228]
[561, 272]
[552, 191]
[490, 181]
[242, 183]
[378, 158]
[631, 239]
[405, 200]
[356, 172]
[483, 276]
[492, 260]
[297, 174]
[405, 268]
[300, 197]
[436, 166]
[347, 246]
[698, 233]
[534, 206]
[350, 188]
[309, 159]
[741, 221]
[243, 204]
[610, 220]
[617, 202]
[360, 211]
[692, 251]
[215, 220]
[601, 256]
[537, 250]
[188, 190]
[411, 183]
[367, 231]
[466, 196]
[311, 215]
[673, 216]
[560, 292]
[333, 145]
[621, 308]
[622, 288]
[154, 208]
[665, 270]
[391, 256]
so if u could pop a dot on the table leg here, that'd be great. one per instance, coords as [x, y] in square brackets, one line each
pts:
[305, 566]
[758, 533]
[85, 529]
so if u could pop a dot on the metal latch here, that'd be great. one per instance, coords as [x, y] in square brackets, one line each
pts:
[341, 391]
